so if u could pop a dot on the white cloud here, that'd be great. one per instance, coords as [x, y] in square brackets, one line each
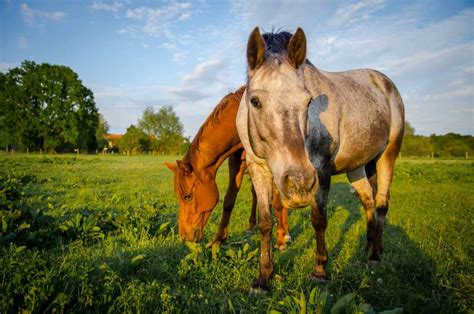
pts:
[130, 30]
[205, 72]
[179, 57]
[354, 12]
[112, 7]
[185, 16]
[201, 82]
[29, 14]
[156, 21]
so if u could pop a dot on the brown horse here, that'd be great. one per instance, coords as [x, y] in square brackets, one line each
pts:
[195, 176]
[299, 125]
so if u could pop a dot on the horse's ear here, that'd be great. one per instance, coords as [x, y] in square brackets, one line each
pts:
[297, 48]
[184, 166]
[171, 166]
[255, 49]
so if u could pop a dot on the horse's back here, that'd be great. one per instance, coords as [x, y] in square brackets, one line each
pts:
[364, 114]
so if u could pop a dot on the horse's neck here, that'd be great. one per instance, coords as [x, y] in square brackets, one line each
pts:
[217, 138]
[316, 80]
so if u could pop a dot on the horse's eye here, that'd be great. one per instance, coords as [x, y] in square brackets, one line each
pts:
[188, 197]
[255, 102]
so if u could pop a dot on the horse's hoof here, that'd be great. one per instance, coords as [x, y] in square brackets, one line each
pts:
[281, 247]
[373, 262]
[319, 275]
[287, 238]
[318, 279]
[258, 291]
[259, 287]
[215, 242]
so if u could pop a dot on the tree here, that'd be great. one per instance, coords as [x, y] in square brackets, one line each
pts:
[452, 145]
[416, 145]
[100, 133]
[134, 141]
[46, 106]
[164, 128]
[409, 130]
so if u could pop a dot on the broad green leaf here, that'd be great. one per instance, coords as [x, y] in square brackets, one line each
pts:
[138, 259]
[342, 303]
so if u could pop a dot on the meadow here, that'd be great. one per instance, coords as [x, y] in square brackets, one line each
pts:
[99, 234]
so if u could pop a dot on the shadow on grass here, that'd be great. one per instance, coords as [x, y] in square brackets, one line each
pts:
[339, 196]
[405, 277]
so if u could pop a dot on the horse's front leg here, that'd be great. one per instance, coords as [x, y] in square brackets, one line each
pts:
[253, 213]
[320, 223]
[236, 172]
[262, 182]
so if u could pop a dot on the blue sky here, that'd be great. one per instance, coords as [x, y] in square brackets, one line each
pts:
[189, 54]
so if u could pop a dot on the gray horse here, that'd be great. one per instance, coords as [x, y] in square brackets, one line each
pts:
[300, 125]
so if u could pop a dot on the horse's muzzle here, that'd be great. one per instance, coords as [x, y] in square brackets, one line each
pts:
[298, 188]
[192, 235]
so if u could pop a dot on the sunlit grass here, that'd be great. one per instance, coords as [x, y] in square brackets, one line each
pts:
[102, 237]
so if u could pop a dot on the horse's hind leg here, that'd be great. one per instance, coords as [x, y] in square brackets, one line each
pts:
[385, 165]
[365, 192]
[236, 172]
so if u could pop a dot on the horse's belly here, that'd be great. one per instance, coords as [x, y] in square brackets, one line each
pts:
[355, 152]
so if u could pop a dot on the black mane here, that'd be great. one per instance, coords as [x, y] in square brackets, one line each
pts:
[277, 42]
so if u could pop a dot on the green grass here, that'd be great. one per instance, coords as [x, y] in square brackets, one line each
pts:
[99, 233]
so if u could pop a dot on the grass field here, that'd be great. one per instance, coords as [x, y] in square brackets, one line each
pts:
[99, 234]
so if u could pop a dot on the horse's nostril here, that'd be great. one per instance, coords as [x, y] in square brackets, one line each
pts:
[289, 184]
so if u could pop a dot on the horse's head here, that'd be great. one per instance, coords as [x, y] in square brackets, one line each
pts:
[277, 105]
[196, 196]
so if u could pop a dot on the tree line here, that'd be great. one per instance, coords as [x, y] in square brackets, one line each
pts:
[448, 145]
[160, 132]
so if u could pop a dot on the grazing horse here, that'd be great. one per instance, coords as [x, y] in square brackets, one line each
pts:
[299, 125]
[195, 175]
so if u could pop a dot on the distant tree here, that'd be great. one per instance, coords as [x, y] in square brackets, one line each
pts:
[448, 145]
[185, 146]
[452, 145]
[4, 129]
[46, 106]
[100, 133]
[134, 141]
[164, 129]
[416, 145]
[409, 130]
